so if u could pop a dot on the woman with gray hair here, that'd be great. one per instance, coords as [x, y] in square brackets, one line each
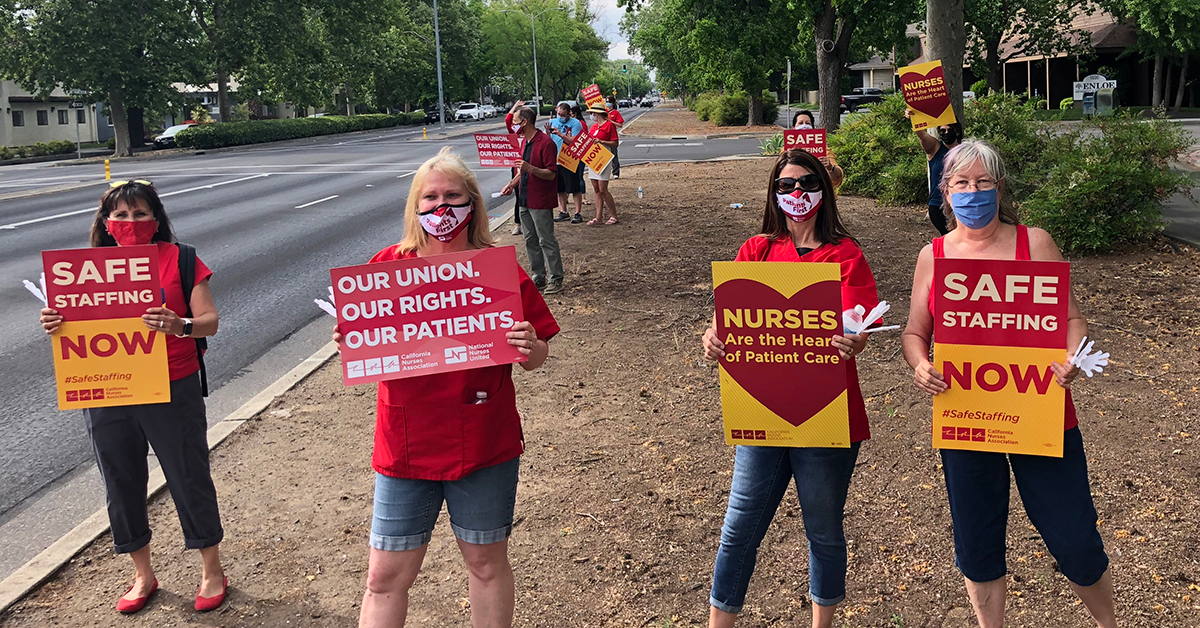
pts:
[1054, 491]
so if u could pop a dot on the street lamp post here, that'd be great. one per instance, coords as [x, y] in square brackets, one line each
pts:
[437, 37]
[537, 89]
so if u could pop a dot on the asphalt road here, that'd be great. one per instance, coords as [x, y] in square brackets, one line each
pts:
[270, 221]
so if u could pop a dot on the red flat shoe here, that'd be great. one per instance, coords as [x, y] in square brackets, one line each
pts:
[205, 604]
[130, 607]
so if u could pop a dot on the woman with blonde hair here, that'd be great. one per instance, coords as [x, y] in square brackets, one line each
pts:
[434, 442]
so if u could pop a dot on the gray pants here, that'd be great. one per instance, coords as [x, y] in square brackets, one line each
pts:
[541, 245]
[178, 432]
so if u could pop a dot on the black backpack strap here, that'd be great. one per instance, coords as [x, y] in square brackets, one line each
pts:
[187, 278]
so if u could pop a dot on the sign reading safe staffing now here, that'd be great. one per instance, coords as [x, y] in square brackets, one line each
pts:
[592, 96]
[584, 148]
[104, 355]
[811, 140]
[782, 381]
[427, 315]
[497, 151]
[998, 326]
[924, 87]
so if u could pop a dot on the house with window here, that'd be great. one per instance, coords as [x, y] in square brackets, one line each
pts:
[29, 119]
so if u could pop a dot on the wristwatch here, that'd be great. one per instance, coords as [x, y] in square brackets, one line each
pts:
[187, 328]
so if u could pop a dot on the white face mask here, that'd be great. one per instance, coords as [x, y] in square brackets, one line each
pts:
[516, 128]
[799, 205]
[445, 221]
[803, 126]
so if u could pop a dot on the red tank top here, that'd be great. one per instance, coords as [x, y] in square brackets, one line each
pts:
[939, 250]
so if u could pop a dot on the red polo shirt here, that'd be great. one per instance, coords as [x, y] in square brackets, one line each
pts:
[430, 428]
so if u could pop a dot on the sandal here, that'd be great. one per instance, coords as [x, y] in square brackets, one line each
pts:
[612, 221]
[595, 222]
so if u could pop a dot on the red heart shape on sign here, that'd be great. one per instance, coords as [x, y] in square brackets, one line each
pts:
[794, 391]
[930, 105]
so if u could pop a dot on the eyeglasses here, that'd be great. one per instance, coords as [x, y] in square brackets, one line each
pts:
[808, 183]
[982, 185]
[117, 184]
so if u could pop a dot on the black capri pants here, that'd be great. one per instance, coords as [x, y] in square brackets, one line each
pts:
[178, 431]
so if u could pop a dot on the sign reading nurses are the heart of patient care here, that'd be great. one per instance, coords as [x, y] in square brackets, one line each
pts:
[924, 88]
[782, 381]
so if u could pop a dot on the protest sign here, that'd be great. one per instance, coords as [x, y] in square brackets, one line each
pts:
[782, 381]
[811, 140]
[592, 96]
[497, 151]
[104, 355]
[585, 148]
[998, 326]
[427, 315]
[924, 87]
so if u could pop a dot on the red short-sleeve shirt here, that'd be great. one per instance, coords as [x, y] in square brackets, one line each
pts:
[858, 288]
[181, 352]
[429, 428]
[606, 131]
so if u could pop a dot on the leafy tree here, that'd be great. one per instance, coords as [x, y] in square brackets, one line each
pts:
[568, 49]
[1039, 27]
[1168, 30]
[124, 52]
[635, 82]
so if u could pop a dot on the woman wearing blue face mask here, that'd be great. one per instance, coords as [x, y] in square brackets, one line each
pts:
[1054, 491]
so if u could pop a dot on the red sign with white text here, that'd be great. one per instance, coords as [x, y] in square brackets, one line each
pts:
[103, 353]
[811, 140]
[497, 151]
[998, 325]
[427, 315]
[592, 96]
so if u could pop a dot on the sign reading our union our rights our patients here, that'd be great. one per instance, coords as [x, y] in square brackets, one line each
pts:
[998, 326]
[497, 151]
[782, 381]
[104, 355]
[427, 315]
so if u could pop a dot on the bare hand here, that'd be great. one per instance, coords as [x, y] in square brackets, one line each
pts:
[1064, 374]
[51, 320]
[522, 165]
[507, 189]
[714, 349]
[850, 345]
[517, 105]
[908, 113]
[337, 337]
[927, 378]
[164, 320]
[523, 336]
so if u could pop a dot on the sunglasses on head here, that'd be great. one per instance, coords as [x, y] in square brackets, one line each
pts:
[808, 183]
[117, 184]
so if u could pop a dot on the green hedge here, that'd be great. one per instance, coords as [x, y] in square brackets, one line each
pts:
[53, 147]
[1094, 186]
[258, 131]
[732, 108]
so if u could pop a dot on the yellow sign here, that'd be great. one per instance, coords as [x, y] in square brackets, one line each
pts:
[110, 362]
[783, 383]
[924, 88]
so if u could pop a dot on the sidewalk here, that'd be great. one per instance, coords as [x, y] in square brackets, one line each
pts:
[625, 478]
[677, 123]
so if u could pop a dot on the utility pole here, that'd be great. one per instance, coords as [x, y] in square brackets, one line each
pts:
[437, 37]
[788, 98]
[537, 88]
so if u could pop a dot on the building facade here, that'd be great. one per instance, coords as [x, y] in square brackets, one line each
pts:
[29, 119]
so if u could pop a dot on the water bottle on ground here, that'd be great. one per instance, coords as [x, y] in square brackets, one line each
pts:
[639, 191]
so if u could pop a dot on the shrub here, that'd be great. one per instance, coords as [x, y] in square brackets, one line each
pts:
[1066, 103]
[733, 110]
[1008, 123]
[6, 153]
[111, 144]
[257, 131]
[705, 104]
[770, 107]
[905, 182]
[879, 140]
[772, 145]
[980, 87]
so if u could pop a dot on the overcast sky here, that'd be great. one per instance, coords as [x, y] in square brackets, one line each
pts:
[607, 25]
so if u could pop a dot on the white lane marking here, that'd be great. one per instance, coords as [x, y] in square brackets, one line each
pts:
[407, 174]
[327, 198]
[92, 208]
[665, 144]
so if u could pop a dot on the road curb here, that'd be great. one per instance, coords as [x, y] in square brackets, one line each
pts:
[39, 569]
[66, 187]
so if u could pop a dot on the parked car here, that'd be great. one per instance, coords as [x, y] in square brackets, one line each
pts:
[468, 111]
[431, 114]
[624, 102]
[167, 138]
[489, 111]
[646, 103]
[861, 97]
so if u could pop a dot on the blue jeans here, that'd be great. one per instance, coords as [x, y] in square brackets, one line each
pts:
[760, 477]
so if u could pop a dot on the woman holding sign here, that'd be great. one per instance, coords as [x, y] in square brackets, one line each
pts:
[1054, 491]
[476, 475]
[131, 214]
[803, 121]
[800, 224]
[605, 133]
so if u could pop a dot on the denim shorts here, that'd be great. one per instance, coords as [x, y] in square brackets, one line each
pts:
[1056, 496]
[480, 506]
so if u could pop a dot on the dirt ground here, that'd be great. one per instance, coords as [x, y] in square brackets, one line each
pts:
[626, 476]
[670, 122]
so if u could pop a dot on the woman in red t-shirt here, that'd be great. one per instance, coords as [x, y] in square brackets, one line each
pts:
[435, 440]
[131, 214]
[800, 224]
[605, 133]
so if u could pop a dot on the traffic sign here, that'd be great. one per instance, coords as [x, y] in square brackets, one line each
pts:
[77, 104]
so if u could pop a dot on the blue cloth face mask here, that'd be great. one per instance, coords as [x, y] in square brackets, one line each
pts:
[975, 210]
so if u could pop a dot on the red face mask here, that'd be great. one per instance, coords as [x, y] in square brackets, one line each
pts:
[132, 232]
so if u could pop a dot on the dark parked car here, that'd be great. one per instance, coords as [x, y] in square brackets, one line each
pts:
[646, 103]
[431, 114]
[861, 97]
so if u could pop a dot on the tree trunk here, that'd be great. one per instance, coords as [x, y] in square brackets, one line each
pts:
[1156, 82]
[116, 113]
[995, 66]
[137, 126]
[1182, 83]
[1166, 96]
[755, 116]
[832, 35]
[947, 41]
[223, 93]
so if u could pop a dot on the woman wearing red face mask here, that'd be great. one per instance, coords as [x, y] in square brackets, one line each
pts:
[131, 214]
[435, 441]
[800, 224]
